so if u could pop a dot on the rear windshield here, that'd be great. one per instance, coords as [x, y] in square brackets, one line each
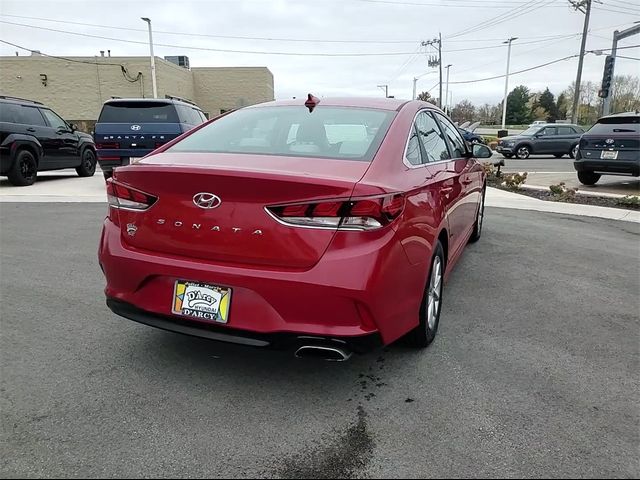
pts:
[616, 125]
[138, 112]
[329, 132]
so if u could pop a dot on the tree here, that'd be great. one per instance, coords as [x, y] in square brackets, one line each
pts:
[518, 113]
[463, 111]
[426, 97]
[539, 113]
[562, 106]
[548, 102]
[626, 93]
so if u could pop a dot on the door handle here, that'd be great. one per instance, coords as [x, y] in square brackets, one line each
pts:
[446, 190]
[31, 129]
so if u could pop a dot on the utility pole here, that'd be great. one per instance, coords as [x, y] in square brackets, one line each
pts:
[386, 90]
[579, 5]
[433, 62]
[606, 105]
[154, 85]
[506, 82]
[446, 94]
[415, 82]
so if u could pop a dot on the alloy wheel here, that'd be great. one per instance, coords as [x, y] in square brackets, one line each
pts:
[434, 293]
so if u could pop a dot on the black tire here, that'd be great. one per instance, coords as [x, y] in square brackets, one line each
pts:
[574, 151]
[88, 166]
[523, 152]
[588, 178]
[558, 155]
[477, 226]
[24, 170]
[507, 155]
[424, 334]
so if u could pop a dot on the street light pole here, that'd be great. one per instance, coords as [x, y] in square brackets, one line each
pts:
[585, 30]
[446, 95]
[386, 90]
[506, 82]
[415, 82]
[154, 85]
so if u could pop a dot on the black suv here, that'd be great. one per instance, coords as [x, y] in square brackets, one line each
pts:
[611, 146]
[130, 128]
[33, 138]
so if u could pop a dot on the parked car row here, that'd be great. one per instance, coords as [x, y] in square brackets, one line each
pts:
[34, 138]
[611, 146]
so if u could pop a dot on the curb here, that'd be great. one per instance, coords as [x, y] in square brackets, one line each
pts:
[580, 192]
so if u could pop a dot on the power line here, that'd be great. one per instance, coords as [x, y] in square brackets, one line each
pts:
[461, 4]
[628, 58]
[515, 73]
[255, 52]
[623, 12]
[230, 37]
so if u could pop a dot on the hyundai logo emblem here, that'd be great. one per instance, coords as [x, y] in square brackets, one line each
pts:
[609, 141]
[135, 127]
[206, 200]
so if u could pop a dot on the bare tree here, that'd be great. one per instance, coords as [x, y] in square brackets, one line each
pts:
[463, 111]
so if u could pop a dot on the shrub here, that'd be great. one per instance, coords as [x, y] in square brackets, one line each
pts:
[629, 201]
[514, 181]
[560, 192]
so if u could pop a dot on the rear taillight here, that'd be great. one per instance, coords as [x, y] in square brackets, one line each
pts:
[123, 196]
[107, 146]
[367, 213]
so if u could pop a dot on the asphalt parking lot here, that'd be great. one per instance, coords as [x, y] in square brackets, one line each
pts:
[535, 372]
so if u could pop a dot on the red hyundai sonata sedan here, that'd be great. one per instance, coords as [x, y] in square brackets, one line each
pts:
[326, 226]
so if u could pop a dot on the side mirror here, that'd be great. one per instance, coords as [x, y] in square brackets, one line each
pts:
[481, 151]
[73, 127]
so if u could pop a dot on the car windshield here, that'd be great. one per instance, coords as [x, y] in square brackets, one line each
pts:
[616, 125]
[330, 132]
[531, 131]
[138, 112]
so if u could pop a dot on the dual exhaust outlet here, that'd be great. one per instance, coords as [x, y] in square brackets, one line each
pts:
[329, 353]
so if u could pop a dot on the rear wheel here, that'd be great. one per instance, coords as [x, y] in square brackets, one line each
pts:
[588, 178]
[24, 169]
[431, 305]
[88, 166]
[523, 152]
[558, 155]
[574, 151]
[477, 226]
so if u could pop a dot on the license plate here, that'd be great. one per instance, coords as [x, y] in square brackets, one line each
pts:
[201, 301]
[609, 154]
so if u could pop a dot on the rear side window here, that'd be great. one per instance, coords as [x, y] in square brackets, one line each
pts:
[9, 112]
[566, 131]
[189, 115]
[616, 125]
[329, 132]
[138, 112]
[31, 116]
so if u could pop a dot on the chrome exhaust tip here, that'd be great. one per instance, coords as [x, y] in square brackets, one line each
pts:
[330, 354]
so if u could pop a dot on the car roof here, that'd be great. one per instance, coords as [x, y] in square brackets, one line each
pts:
[356, 102]
[549, 124]
[621, 114]
[19, 101]
[159, 101]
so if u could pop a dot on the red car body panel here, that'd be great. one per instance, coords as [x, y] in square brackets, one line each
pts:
[286, 279]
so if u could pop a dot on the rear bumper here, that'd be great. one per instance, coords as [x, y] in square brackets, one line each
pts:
[610, 167]
[110, 159]
[354, 291]
[283, 341]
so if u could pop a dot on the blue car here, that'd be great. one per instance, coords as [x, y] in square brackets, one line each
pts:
[128, 129]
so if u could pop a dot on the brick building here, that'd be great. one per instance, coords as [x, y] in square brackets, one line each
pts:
[76, 87]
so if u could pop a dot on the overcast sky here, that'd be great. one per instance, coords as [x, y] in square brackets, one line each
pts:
[403, 24]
